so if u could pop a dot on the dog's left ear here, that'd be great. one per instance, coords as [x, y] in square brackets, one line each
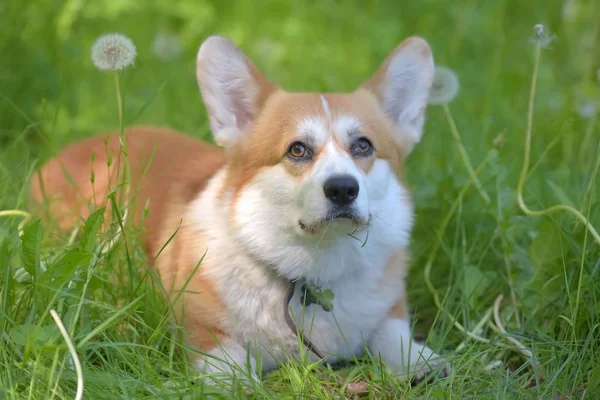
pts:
[402, 86]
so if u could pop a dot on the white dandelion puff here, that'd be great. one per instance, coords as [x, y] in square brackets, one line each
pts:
[541, 37]
[113, 52]
[166, 46]
[570, 10]
[586, 108]
[445, 86]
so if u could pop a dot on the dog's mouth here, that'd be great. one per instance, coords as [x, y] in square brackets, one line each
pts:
[345, 214]
[341, 215]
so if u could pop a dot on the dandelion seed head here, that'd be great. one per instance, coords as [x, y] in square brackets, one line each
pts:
[586, 108]
[570, 10]
[113, 52]
[541, 37]
[166, 46]
[539, 30]
[445, 86]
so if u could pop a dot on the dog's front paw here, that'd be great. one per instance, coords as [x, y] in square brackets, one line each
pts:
[405, 358]
[434, 368]
[423, 364]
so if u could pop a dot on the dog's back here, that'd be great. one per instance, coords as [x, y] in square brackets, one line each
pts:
[164, 165]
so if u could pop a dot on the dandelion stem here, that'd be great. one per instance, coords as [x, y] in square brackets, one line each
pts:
[73, 351]
[125, 182]
[526, 157]
[119, 101]
[122, 140]
[464, 155]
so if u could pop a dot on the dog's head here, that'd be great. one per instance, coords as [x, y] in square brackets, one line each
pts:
[306, 170]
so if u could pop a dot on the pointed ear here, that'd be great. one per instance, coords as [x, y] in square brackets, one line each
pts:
[402, 86]
[232, 88]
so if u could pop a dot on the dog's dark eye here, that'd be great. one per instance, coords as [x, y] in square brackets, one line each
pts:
[297, 150]
[362, 147]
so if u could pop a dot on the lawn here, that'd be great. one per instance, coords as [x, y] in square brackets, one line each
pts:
[473, 241]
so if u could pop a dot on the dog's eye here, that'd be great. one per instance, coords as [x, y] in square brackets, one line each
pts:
[297, 150]
[363, 147]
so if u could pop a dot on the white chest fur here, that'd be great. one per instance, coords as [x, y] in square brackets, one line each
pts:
[255, 295]
[255, 300]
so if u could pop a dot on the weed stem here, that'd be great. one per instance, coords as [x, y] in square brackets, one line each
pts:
[17, 213]
[464, 155]
[78, 369]
[524, 171]
[476, 329]
[520, 346]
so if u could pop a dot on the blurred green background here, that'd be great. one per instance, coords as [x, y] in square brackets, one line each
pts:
[51, 95]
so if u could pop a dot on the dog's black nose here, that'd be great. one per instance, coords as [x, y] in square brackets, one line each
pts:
[341, 190]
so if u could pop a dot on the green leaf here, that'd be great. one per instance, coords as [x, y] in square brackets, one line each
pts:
[30, 247]
[561, 195]
[90, 230]
[594, 379]
[323, 297]
[546, 246]
[4, 260]
[107, 322]
[474, 282]
[95, 283]
[63, 269]
[6, 278]
[37, 336]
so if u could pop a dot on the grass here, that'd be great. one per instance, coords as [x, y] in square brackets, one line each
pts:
[466, 251]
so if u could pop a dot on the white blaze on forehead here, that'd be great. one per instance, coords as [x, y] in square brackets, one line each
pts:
[326, 109]
[322, 127]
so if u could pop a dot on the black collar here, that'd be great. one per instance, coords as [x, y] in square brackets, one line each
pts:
[306, 296]
[292, 325]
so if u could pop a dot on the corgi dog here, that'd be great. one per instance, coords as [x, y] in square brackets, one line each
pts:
[302, 195]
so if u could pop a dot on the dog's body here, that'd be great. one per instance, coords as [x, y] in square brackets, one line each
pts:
[308, 189]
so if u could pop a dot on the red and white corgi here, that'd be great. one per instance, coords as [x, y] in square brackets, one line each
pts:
[304, 188]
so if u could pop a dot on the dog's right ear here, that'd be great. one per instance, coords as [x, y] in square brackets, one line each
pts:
[232, 88]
